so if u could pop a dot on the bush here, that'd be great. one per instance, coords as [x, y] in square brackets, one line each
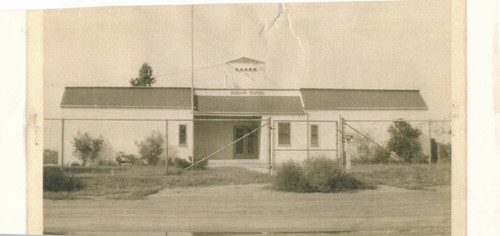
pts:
[122, 158]
[86, 148]
[151, 148]
[289, 178]
[319, 174]
[380, 156]
[55, 179]
[107, 163]
[420, 157]
[445, 152]
[404, 141]
[75, 164]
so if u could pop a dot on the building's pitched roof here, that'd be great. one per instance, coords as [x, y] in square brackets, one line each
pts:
[362, 99]
[245, 60]
[248, 104]
[133, 97]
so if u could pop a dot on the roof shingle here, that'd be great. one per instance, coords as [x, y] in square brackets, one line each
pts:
[362, 99]
[132, 97]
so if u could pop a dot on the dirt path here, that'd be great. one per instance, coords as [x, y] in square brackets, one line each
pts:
[256, 208]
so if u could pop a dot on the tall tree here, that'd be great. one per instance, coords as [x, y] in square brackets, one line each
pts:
[151, 148]
[145, 78]
[86, 147]
[404, 142]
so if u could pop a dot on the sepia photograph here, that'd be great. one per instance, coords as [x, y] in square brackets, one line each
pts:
[329, 118]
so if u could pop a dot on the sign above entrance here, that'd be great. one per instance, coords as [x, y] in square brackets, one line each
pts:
[247, 92]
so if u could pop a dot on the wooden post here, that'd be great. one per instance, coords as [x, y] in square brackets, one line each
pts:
[62, 143]
[166, 147]
[270, 146]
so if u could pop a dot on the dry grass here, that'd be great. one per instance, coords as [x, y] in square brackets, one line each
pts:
[138, 182]
[409, 176]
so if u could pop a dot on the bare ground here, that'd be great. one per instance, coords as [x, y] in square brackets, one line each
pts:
[256, 208]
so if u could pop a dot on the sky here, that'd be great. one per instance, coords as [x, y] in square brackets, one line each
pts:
[370, 45]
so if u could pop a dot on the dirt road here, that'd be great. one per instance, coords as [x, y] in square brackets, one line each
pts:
[384, 211]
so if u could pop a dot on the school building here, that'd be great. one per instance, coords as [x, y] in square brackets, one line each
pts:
[201, 121]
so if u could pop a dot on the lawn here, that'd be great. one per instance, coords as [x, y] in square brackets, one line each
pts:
[137, 182]
[408, 176]
[133, 183]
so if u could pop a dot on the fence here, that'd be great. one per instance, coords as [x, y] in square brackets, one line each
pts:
[300, 139]
[178, 135]
[364, 137]
[255, 139]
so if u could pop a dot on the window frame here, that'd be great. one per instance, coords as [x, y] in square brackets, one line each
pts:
[282, 142]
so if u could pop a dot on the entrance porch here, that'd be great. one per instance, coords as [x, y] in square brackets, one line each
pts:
[213, 133]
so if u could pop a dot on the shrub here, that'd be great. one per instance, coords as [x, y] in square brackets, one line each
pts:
[151, 148]
[86, 148]
[404, 141]
[123, 158]
[420, 157]
[55, 179]
[107, 163]
[289, 178]
[318, 174]
[74, 164]
[380, 156]
[444, 152]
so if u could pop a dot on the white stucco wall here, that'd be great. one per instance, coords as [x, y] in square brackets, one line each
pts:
[121, 135]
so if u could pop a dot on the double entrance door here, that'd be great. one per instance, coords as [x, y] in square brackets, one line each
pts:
[248, 147]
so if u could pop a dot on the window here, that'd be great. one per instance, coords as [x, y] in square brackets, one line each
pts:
[314, 135]
[182, 134]
[239, 132]
[284, 133]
